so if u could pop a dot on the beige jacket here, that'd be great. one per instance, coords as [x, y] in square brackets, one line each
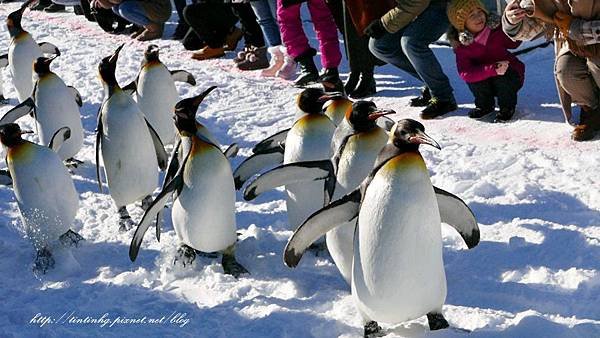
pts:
[532, 28]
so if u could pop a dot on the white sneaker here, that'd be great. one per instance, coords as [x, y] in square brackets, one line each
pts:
[288, 70]
[275, 64]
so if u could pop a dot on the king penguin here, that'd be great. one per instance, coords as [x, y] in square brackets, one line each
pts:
[23, 50]
[356, 143]
[398, 270]
[131, 150]
[157, 94]
[44, 191]
[201, 182]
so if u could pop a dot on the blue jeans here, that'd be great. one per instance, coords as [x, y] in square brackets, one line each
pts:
[408, 49]
[266, 14]
[132, 11]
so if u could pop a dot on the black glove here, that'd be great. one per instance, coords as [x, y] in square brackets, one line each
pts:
[375, 29]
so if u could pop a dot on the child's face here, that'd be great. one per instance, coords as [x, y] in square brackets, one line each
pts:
[475, 22]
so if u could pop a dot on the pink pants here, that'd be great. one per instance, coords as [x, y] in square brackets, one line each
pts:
[294, 38]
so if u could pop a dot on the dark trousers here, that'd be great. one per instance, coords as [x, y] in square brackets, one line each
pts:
[357, 47]
[212, 22]
[503, 87]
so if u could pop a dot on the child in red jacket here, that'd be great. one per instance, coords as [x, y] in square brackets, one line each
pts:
[483, 59]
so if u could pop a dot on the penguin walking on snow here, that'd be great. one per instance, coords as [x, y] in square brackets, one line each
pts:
[23, 50]
[131, 150]
[356, 144]
[398, 270]
[44, 191]
[56, 106]
[157, 94]
[201, 182]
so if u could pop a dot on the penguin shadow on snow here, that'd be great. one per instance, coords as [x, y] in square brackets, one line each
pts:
[560, 249]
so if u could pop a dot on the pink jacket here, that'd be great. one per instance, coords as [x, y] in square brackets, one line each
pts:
[476, 62]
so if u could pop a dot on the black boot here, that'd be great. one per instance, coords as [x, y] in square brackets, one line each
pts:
[366, 86]
[505, 114]
[437, 108]
[351, 82]
[181, 30]
[423, 100]
[331, 80]
[41, 5]
[78, 10]
[54, 8]
[308, 70]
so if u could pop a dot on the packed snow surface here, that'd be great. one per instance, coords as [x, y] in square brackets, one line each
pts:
[535, 193]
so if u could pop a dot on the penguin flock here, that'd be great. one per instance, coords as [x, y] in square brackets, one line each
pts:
[351, 175]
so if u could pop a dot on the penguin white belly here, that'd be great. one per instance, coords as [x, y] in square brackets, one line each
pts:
[356, 162]
[22, 52]
[398, 271]
[56, 108]
[44, 191]
[157, 96]
[128, 153]
[204, 212]
[307, 141]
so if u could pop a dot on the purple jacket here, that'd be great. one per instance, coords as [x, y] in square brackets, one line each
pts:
[476, 62]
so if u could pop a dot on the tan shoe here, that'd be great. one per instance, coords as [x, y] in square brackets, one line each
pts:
[208, 53]
[232, 39]
[151, 32]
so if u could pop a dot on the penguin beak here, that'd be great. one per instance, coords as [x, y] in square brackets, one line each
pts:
[379, 113]
[331, 96]
[115, 56]
[198, 99]
[421, 138]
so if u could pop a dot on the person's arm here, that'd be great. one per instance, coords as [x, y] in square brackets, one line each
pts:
[403, 14]
[518, 26]
[470, 71]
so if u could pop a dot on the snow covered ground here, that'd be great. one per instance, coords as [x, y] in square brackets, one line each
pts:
[536, 195]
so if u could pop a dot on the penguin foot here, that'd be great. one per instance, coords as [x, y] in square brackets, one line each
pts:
[372, 329]
[71, 238]
[320, 249]
[185, 255]
[437, 321]
[125, 223]
[43, 261]
[146, 202]
[232, 267]
[72, 163]
[207, 254]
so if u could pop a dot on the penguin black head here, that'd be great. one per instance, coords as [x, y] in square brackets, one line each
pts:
[108, 67]
[42, 65]
[311, 100]
[363, 115]
[10, 134]
[185, 112]
[408, 134]
[13, 20]
[151, 53]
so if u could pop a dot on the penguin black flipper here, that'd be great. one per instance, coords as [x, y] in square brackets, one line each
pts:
[292, 173]
[385, 123]
[455, 212]
[161, 154]
[76, 95]
[59, 138]
[48, 48]
[3, 60]
[20, 110]
[131, 88]
[5, 178]
[183, 76]
[319, 223]
[255, 164]
[99, 136]
[232, 150]
[173, 164]
[153, 211]
[274, 141]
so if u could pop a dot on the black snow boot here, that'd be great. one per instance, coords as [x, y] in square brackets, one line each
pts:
[308, 70]
[41, 5]
[330, 79]
[366, 86]
[55, 8]
[422, 100]
[351, 82]
[437, 108]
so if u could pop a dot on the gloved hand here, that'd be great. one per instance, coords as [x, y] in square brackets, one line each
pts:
[375, 29]
[563, 21]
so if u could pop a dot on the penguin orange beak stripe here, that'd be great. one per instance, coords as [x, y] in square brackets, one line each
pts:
[422, 138]
[379, 113]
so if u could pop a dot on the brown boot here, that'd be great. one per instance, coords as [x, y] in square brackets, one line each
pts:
[151, 32]
[208, 53]
[589, 124]
[233, 38]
